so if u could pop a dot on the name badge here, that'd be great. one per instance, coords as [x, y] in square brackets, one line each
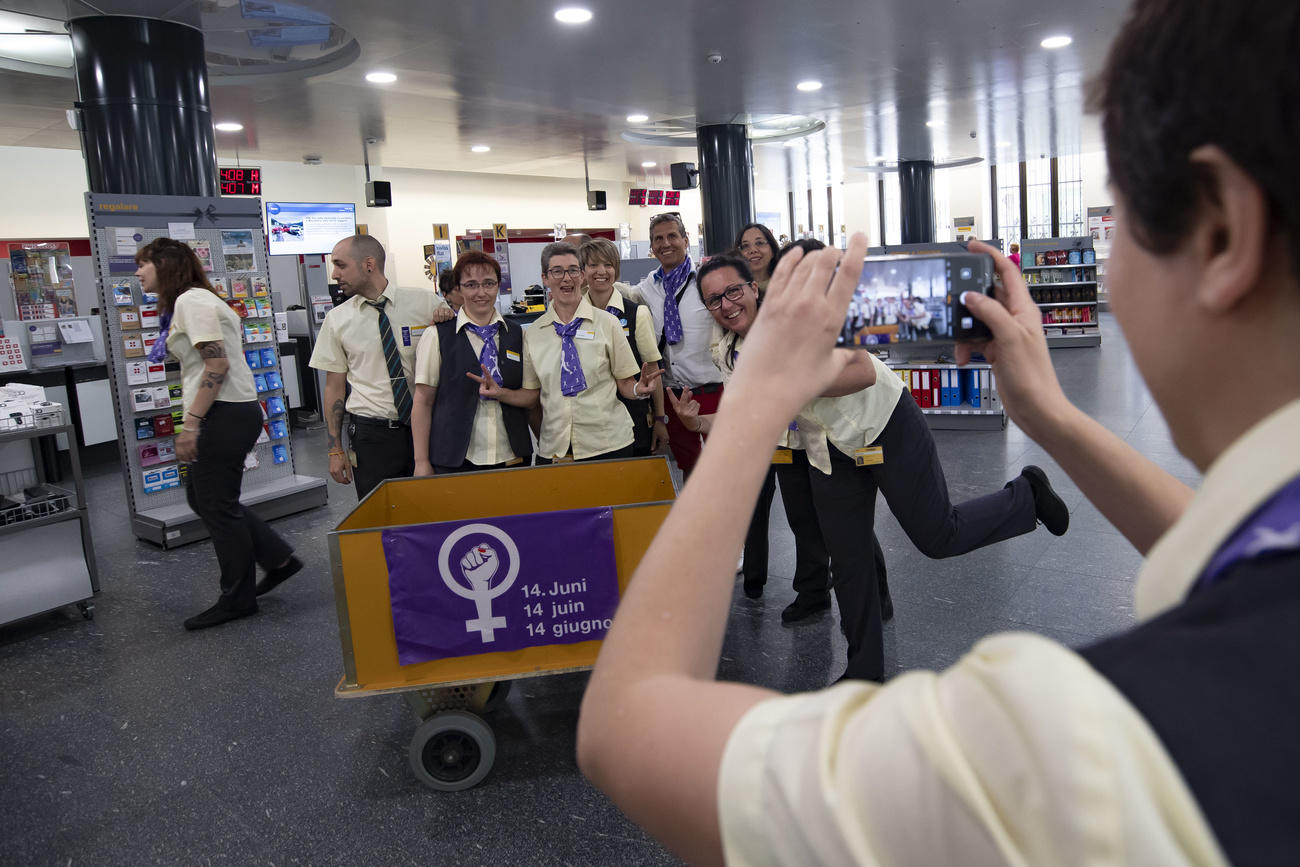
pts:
[406, 335]
[512, 355]
[586, 335]
[869, 456]
[415, 332]
[782, 456]
[627, 331]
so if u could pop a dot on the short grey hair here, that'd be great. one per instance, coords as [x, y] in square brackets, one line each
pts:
[671, 215]
[558, 248]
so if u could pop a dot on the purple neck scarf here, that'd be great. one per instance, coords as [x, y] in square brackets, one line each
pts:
[159, 349]
[487, 356]
[571, 379]
[1272, 531]
[674, 280]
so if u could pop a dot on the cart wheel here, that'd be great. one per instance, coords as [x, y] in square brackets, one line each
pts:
[87, 610]
[452, 750]
[496, 698]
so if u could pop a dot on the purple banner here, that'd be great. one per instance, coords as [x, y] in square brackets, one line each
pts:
[463, 588]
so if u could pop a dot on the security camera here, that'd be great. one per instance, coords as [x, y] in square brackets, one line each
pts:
[715, 57]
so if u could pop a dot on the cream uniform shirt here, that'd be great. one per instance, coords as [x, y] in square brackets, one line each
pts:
[201, 317]
[348, 342]
[850, 422]
[592, 421]
[488, 441]
[646, 342]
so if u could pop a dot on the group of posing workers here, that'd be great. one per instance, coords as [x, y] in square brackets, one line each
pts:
[613, 371]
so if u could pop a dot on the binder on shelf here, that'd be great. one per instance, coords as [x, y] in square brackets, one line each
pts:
[974, 380]
[936, 385]
[995, 404]
[984, 388]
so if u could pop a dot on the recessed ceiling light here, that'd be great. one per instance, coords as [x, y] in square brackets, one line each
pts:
[808, 86]
[637, 118]
[792, 143]
[380, 77]
[933, 123]
[573, 15]
[648, 164]
[1056, 41]
[480, 149]
[229, 126]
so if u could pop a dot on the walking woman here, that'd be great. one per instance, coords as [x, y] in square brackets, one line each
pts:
[222, 422]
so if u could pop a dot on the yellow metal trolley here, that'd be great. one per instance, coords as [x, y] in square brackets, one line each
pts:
[454, 748]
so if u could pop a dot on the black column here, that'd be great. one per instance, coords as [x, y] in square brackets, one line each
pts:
[142, 91]
[726, 183]
[916, 197]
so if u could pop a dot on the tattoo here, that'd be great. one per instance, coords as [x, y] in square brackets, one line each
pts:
[335, 423]
[212, 380]
[211, 349]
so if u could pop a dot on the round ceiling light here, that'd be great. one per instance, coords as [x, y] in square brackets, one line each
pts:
[809, 86]
[380, 77]
[648, 164]
[229, 126]
[480, 149]
[573, 15]
[638, 118]
[1056, 41]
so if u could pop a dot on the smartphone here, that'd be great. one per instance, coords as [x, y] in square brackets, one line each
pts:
[904, 299]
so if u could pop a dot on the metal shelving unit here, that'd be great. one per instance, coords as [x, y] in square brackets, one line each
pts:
[47, 559]
[1065, 334]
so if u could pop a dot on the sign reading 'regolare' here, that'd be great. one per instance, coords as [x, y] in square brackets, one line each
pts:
[462, 588]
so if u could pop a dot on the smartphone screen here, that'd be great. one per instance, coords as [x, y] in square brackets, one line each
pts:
[906, 299]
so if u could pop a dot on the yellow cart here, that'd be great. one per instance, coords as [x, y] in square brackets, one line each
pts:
[454, 748]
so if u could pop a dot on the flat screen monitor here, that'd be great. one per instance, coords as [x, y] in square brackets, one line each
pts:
[308, 228]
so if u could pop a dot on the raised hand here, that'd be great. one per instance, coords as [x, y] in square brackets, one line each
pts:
[479, 565]
[487, 386]
[650, 373]
[442, 314]
[687, 409]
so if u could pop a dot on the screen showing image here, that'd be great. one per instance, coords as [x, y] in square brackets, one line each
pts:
[306, 228]
[899, 300]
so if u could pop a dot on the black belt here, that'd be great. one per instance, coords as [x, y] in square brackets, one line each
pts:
[390, 423]
[707, 388]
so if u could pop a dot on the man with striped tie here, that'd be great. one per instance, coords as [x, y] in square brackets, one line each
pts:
[368, 343]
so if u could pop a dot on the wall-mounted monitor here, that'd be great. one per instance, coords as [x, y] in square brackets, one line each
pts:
[308, 228]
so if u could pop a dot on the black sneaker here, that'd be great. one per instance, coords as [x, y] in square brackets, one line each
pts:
[217, 615]
[277, 576]
[1049, 508]
[804, 605]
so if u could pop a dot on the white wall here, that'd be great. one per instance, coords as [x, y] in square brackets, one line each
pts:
[45, 192]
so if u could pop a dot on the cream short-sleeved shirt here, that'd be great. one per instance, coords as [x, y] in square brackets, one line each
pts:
[593, 421]
[348, 342]
[644, 335]
[850, 422]
[201, 317]
[489, 444]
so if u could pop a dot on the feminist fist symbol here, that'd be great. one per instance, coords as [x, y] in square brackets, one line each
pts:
[479, 565]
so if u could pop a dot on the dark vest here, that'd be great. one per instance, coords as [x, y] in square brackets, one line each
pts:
[636, 408]
[457, 400]
[1218, 680]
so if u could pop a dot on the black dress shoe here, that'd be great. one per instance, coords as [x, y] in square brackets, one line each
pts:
[1049, 508]
[217, 615]
[804, 606]
[753, 590]
[277, 576]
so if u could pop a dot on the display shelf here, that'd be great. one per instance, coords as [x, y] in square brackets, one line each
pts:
[1066, 283]
[1069, 304]
[971, 382]
[1034, 250]
[1061, 265]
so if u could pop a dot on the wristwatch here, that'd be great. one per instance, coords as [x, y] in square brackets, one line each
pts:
[662, 418]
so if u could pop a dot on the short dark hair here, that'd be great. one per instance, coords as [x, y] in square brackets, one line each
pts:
[475, 257]
[717, 263]
[662, 218]
[1187, 73]
[767, 236]
[808, 245]
[559, 248]
[366, 247]
[177, 267]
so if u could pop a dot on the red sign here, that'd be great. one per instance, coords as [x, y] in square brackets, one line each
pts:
[241, 181]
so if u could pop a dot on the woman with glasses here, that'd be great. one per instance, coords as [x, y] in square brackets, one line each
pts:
[600, 269]
[576, 362]
[866, 434]
[452, 429]
[759, 249]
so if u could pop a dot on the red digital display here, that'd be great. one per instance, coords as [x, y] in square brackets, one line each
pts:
[636, 196]
[656, 197]
[672, 197]
[241, 181]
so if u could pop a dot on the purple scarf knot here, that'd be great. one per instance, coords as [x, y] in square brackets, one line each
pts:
[158, 351]
[572, 380]
[487, 356]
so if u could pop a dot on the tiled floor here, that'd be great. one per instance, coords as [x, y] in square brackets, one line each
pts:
[127, 740]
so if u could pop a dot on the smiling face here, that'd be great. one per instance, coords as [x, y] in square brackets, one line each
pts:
[479, 299]
[757, 252]
[599, 276]
[734, 314]
[564, 278]
[668, 244]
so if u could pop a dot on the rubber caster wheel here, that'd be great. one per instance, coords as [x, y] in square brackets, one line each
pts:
[452, 751]
[87, 610]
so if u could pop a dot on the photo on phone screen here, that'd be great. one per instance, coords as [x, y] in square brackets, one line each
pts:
[906, 299]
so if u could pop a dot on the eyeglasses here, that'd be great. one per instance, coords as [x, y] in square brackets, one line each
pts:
[557, 273]
[734, 292]
[474, 285]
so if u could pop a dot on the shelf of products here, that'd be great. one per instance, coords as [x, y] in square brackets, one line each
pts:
[47, 559]
[1062, 277]
[952, 397]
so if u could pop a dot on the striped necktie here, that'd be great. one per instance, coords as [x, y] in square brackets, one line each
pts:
[396, 373]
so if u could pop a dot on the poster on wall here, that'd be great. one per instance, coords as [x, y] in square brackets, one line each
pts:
[437, 256]
[501, 252]
[42, 279]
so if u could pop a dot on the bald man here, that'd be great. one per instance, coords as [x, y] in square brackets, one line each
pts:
[368, 343]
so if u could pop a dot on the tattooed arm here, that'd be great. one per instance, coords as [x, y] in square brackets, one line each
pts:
[215, 368]
[336, 385]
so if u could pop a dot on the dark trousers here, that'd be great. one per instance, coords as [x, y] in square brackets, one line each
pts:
[382, 453]
[642, 430]
[241, 539]
[468, 467]
[912, 481]
[812, 563]
[625, 452]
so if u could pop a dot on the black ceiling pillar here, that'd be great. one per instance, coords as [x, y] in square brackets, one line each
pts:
[916, 201]
[142, 95]
[726, 183]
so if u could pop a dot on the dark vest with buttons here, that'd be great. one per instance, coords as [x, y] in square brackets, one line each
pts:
[457, 400]
[636, 408]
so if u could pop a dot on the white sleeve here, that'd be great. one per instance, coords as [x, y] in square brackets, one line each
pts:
[1019, 754]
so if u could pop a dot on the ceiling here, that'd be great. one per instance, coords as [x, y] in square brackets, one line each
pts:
[545, 95]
